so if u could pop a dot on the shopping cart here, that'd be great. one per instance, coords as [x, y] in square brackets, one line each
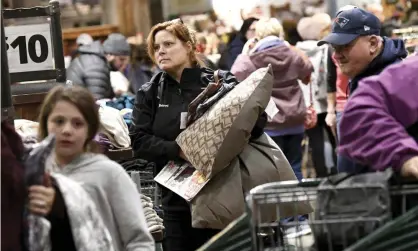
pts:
[142, 173]
[399, 234]
[145, 183]
[329, 231]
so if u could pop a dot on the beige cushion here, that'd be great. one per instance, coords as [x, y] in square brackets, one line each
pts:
[114, 127]
[212, 141]
[222, 200]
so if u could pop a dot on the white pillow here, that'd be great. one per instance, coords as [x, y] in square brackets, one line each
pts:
[119, 82]
[115, 126]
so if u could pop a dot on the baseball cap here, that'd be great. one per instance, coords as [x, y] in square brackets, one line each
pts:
[351, 23]
[84, 39]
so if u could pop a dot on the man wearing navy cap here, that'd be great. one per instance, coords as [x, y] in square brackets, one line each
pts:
[359, 49]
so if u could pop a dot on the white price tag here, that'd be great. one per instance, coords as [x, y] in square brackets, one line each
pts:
[183, 120]
[29, 47]
[271, 109]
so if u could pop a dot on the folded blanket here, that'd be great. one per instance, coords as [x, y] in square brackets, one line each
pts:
[156, 228]
[145, 198]
[147, 204]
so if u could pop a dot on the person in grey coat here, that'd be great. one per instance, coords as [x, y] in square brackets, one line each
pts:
[91, 70]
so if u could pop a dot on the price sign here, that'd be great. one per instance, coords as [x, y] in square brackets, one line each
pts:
[29, 48]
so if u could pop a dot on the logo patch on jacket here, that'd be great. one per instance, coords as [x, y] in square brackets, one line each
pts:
[162, 105]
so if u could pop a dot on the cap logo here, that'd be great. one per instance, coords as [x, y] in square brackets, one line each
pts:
[342, 21]
[366, 28]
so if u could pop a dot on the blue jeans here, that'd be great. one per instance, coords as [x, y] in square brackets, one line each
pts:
[344, 164]
[291, 145]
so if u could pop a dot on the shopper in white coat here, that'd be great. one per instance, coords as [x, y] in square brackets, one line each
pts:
[312, 29]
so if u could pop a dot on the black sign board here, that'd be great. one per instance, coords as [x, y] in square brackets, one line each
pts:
[6, 97]
[30, 52]
[35, 51]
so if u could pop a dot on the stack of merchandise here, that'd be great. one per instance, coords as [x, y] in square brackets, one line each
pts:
[155, 223]
[114, 133]
[124, 104]
[142, 173]
[28, 131]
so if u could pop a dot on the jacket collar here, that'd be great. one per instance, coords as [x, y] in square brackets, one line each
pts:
[188, 80]
[267, 42]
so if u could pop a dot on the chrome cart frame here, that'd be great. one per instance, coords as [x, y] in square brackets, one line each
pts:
[145, 183]
[272, 235]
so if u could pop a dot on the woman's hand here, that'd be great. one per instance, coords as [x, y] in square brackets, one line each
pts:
[410, 168]
[41, 199]
[331, 119]
[306, 80]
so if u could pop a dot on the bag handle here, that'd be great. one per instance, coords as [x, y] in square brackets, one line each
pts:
[216, 76]
[210, 89]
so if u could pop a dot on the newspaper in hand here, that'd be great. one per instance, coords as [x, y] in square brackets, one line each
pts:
[182, 178]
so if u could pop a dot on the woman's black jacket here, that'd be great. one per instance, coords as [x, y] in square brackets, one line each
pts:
[157, 111]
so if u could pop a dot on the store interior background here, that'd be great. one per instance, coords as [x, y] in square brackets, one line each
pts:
[136, 17]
